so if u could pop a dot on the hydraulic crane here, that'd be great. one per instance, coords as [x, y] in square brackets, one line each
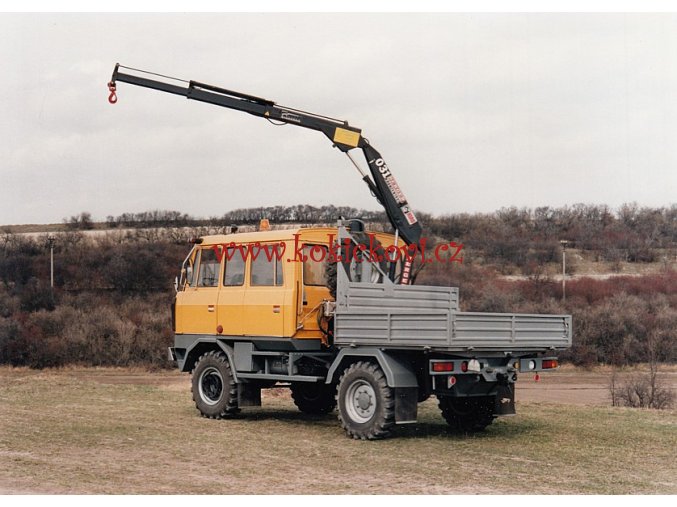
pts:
[345, 137]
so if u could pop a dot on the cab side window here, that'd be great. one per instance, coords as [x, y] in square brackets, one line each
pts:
[208, 271]
[266, 271]
[314, 264]
[233, 274]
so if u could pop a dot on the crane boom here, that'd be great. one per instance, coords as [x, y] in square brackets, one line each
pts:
[345, 137]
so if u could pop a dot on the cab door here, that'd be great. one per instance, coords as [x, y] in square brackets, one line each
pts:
[230, 313]
[196, 303]
[314, 287]
[264, 299]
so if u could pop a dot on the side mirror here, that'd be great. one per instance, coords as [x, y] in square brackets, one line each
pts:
[176, 284]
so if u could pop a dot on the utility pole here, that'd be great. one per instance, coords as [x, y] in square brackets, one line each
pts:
[564, 242]
[50, 242]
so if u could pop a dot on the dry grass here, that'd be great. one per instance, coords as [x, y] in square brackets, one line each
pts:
[126, 431]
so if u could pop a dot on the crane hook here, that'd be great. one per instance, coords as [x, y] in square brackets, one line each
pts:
[112, 98]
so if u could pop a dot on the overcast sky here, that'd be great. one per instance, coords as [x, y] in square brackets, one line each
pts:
[472, 112]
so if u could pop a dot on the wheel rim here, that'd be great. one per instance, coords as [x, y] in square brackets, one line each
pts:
[360, 401]
[211, 386]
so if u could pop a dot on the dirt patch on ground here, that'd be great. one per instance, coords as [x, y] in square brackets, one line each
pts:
[569, 388]
[573, 386]
[123, 376]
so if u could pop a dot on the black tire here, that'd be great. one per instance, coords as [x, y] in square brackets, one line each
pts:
[468, 414]
[330, 276]
[378, 253]
[314, 398]
[366, 404]
[213, 385]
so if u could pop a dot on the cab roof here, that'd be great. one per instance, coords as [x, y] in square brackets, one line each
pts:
[276, 235]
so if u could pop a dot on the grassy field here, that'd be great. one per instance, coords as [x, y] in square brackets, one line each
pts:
[68, 431]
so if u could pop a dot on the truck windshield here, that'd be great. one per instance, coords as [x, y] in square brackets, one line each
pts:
[186, 275]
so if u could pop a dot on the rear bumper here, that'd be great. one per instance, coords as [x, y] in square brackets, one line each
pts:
[462, 378]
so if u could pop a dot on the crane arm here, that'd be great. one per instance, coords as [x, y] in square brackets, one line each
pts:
[344, 136]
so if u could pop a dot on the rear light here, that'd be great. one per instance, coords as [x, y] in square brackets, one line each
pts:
[474, 365]
[464, 366]
[549, 364]
[443, 366]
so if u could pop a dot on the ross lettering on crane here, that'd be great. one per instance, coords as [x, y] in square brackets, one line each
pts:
[287, 116]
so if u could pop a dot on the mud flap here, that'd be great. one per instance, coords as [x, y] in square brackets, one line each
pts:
[406, 405]
[248, 395]
[505, 400]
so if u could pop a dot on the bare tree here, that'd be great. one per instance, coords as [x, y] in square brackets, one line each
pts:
[645, 390]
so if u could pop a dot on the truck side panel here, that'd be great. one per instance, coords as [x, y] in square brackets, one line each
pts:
[366, 296]
[393, 316]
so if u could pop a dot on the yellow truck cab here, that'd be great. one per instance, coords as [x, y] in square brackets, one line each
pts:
[267, 284]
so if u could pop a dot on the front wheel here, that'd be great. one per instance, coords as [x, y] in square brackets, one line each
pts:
[213, 385]
[366, 403]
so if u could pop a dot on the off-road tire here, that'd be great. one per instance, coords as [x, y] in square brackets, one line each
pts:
[214, 388]
[330, 275]
[361, 238]
[468, 414]
[366, 404]
[314, 398]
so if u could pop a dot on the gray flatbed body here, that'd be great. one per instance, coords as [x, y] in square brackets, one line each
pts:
[426, 317]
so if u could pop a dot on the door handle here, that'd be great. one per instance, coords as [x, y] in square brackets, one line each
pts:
[210, 308]
[276, 308]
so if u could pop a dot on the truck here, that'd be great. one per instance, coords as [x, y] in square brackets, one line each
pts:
[332, 313]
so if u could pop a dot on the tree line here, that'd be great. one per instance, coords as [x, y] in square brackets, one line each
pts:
[630, 233]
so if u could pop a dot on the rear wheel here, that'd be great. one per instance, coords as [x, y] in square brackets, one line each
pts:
[314, 398]
[468, 414]
[214, 388]
[366, 403]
